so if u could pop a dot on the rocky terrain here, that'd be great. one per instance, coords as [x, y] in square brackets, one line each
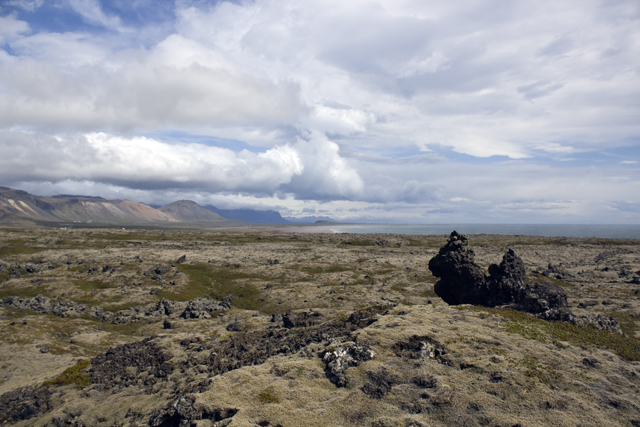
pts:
[112, 327]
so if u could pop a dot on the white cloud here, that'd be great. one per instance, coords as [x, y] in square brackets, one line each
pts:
[140, 94]
[307, 169]
[317, 85]
[11, 28]
[326, 174]
[28, 5]
[91, 11]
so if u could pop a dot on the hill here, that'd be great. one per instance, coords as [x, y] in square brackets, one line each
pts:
[21, 209]
[187, 210]
[249, 215]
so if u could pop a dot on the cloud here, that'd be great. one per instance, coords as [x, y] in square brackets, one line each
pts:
[538, 89]
[307, 169]
[142, 92]
[11, 28]
[327, 175]
[28, 5]
[348, 105]
[91, 12]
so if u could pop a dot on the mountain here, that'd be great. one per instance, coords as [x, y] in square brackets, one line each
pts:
[249, 215]
[309, 219]
[19, 208]
[187, 210]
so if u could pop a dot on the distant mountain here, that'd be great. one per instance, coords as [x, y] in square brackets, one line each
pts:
[249, 215]
[19, 208]
[187, 210]
[309, 219]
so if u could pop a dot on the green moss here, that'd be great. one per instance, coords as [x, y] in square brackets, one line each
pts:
[117, 307]
[545, 374]
[22, 292]
[533, 328]
[536, 277]
[88, 285]
[218, 282]
[267, 396]
[628, 324]
[17, 247]
[324, 268]
[72, 375]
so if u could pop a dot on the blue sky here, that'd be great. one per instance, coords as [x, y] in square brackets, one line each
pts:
[398, 111]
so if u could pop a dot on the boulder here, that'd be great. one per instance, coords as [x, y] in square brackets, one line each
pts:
[302, 319]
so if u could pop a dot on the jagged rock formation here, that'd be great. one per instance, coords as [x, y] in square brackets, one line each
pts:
[197, 308]
[462, 281]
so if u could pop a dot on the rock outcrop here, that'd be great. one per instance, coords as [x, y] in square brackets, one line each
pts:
[338, 360]
[462, 281]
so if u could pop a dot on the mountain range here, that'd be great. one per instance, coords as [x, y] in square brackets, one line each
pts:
[19, 208]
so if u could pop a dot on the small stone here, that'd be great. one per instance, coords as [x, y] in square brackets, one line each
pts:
[235, 326]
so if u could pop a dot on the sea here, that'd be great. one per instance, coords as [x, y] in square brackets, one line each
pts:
[618, 231]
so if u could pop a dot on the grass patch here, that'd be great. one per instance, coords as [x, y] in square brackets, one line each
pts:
[533, 328]
[218, 282]
[88, 285]
[117, 307]
[427, 293]
[72, 375]
[545, 374]
[268, 396]
[124, 237]
[628, 324]
[129, 329]
[18, 247]
[537, 277]
[324, 269]
[23, 292]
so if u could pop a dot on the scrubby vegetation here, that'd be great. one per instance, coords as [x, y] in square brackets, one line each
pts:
[417, 362]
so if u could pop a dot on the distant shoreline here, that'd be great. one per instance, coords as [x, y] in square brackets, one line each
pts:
[602, 231]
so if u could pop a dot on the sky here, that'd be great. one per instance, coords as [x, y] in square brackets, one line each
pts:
[403, 111]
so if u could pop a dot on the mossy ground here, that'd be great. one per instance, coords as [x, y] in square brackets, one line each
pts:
[512, 364]
[540, 330]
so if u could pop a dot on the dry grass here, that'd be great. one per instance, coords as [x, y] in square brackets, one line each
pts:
[500, 367]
